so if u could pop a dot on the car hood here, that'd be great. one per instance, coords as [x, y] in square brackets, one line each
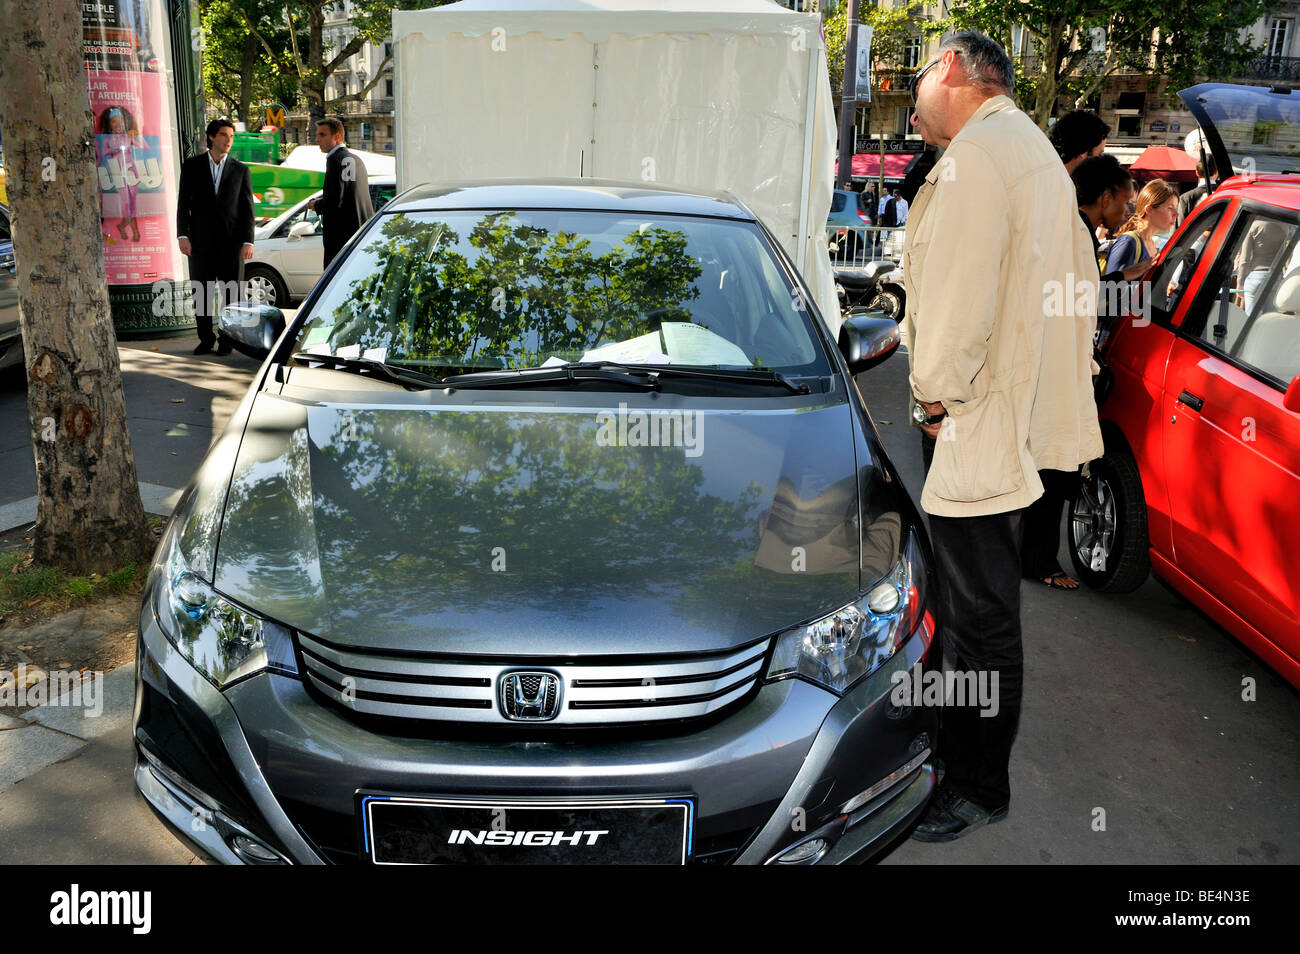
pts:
[508, 529]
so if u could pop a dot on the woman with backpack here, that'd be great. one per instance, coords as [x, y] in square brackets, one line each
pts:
[1157, 211]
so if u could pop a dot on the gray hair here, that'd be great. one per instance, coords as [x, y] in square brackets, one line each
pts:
[986, 63]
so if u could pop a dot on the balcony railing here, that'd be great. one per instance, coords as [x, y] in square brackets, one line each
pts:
[1272, 68]
[1032, 62]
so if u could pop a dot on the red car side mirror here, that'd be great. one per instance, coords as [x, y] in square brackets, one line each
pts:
[1291, 400]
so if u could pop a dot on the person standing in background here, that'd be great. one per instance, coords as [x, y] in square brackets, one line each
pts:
[1077, 136]
[214, 225]
[1205, 170]
[344, 204]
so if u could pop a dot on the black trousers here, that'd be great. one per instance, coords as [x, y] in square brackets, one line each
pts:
[215, 274]
[979, 581]
[1042, 537]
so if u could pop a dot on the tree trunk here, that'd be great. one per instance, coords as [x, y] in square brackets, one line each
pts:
[89, 515]
[247, 70]
[314, 82]
[1048, 80]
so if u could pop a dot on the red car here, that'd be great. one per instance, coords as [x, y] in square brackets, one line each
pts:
[1201, 476]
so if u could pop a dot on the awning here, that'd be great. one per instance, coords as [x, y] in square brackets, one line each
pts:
[867, 165]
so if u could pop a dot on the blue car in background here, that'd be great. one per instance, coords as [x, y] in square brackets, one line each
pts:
[848, 210]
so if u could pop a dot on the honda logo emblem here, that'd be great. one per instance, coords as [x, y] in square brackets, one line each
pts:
[527, 696]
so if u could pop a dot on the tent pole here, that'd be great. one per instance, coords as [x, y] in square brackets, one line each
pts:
[805, 188]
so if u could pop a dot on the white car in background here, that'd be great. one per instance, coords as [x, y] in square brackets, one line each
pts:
[288, 251]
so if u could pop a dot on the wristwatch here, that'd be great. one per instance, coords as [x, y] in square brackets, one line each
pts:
[925, 420]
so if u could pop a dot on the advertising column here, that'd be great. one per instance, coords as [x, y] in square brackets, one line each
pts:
[127, 56]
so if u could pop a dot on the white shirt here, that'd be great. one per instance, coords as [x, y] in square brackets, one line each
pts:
[217, 168]
[900, 208]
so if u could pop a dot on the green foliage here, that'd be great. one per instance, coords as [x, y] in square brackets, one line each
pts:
[243, 69]
[524, 293]
[893, 28]
[1181, 40]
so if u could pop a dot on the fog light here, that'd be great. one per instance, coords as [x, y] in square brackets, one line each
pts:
[804, 852]
[246, 846]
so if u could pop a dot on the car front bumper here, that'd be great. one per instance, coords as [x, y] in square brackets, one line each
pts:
[264, 773]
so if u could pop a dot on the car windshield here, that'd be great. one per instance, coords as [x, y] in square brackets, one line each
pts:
[455, 291]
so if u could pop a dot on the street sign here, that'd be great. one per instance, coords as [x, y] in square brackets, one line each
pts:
[891, 145]
[275, 116]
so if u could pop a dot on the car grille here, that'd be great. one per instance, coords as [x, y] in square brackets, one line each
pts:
[633, 689]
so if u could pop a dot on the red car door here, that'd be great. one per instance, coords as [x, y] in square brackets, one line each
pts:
[1232, 451]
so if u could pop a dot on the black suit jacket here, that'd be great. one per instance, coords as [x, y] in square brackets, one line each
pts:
[344, 205]
[217, 224]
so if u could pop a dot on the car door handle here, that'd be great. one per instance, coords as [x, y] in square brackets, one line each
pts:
[1191, 400]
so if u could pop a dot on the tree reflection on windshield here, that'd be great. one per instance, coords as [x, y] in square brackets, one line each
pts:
[514, 294]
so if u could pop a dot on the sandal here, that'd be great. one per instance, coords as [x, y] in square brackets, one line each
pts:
[1059, 581]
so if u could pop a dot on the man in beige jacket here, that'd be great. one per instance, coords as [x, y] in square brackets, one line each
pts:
[1001, 307]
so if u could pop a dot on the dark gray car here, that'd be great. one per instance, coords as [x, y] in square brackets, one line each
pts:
[552, 529]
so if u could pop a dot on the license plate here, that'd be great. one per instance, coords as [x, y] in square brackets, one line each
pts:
[401, 830]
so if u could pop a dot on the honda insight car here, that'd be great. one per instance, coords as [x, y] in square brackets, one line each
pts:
[552, 529]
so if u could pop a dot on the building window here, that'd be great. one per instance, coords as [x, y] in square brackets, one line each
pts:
[912, 53]
[388, 49]
[1279, 37]
[1017, 40]
[1129, 126]
[1098, 39]
[388, 87]
[903, 122]
[389, 132]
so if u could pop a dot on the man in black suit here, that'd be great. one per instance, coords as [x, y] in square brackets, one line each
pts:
[344, 204]
[214, 226]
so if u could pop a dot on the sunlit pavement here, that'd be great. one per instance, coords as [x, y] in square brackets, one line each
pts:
[176, 405]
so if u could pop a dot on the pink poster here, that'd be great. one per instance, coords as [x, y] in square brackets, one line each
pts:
[136, 176]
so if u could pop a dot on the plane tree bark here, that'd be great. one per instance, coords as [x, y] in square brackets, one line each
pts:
[89, 515]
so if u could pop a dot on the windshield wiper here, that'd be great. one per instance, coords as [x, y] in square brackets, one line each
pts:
[567, 373]
[761, 376]
[385, 372]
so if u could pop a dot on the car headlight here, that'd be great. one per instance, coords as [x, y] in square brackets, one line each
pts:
[223, 640]
[854, 641]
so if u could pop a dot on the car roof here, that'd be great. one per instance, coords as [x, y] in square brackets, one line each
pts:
[610, 195]
[1279, 190]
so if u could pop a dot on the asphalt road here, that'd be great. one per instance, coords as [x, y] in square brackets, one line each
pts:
[1135, 747]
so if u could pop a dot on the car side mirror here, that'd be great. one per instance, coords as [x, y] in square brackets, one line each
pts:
[1291, 400]
[251, 328]
[301, 230]
[866, 340]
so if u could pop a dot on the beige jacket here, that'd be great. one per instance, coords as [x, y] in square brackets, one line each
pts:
[1001, 307]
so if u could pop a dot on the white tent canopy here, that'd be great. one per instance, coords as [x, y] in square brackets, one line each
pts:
[720, 95]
